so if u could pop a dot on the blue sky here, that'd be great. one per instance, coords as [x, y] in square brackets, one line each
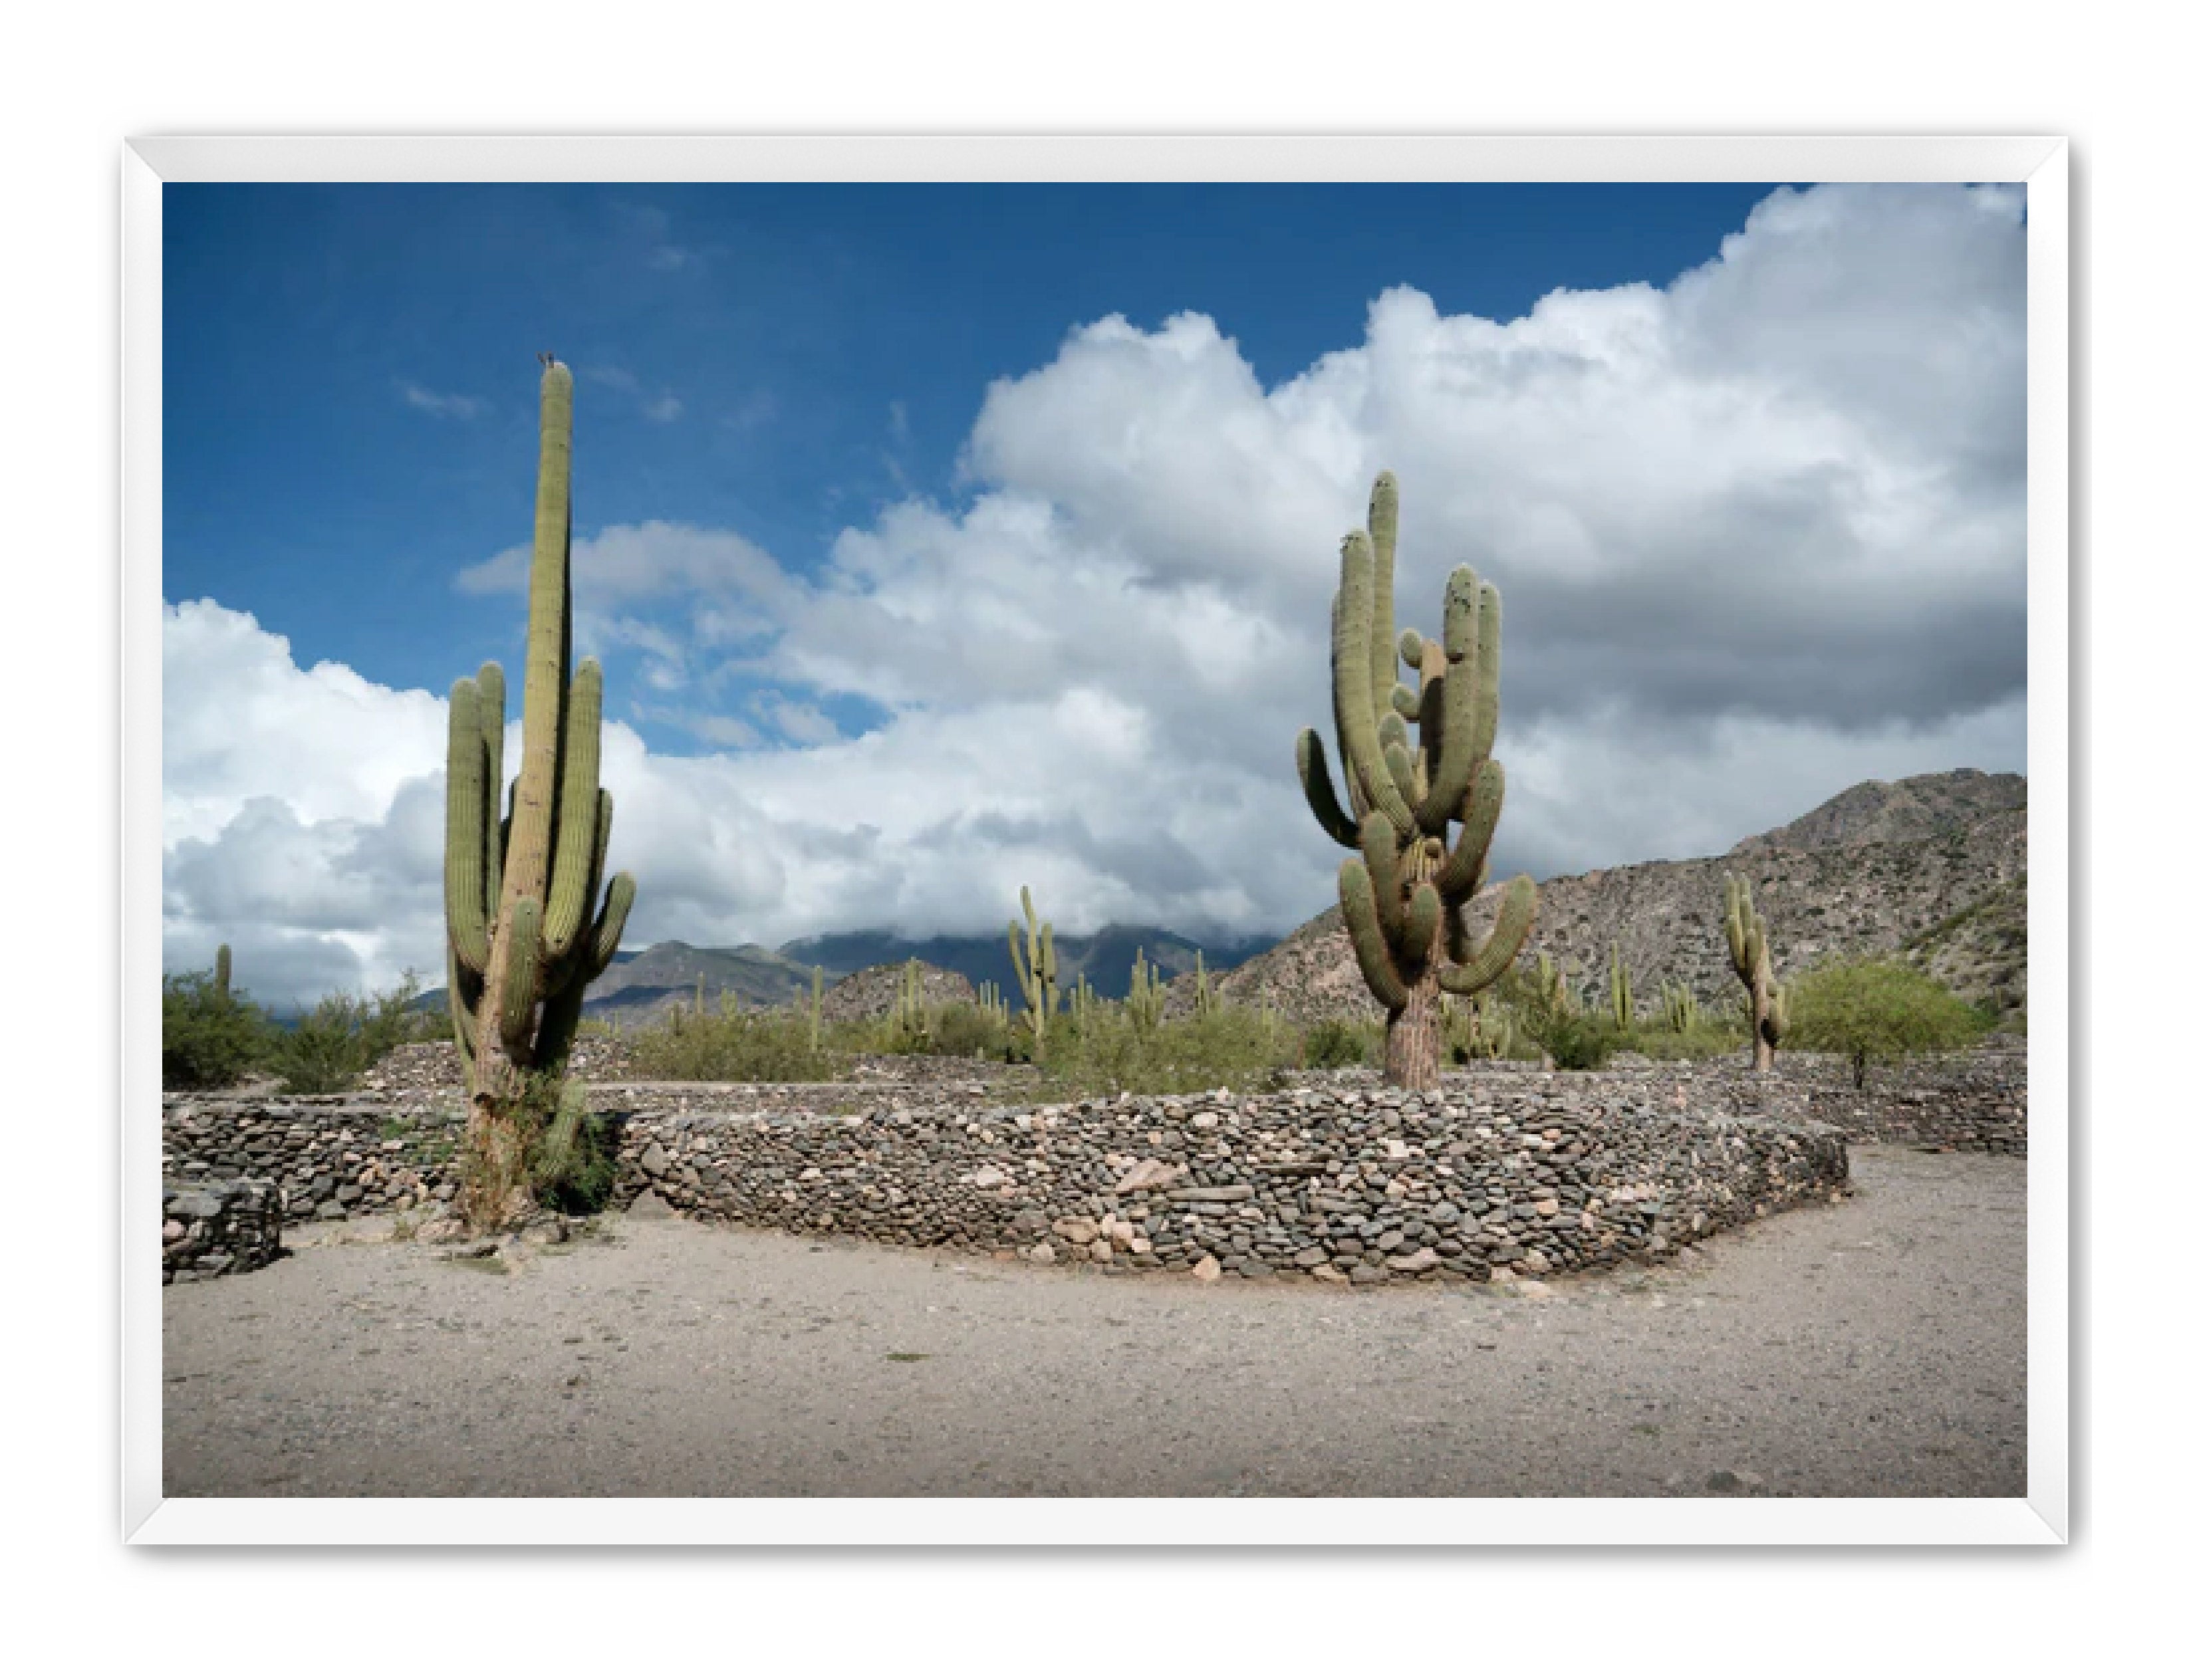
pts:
[350, 383]
[941, 539]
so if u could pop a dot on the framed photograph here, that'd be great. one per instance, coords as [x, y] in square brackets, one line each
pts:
[910, 840]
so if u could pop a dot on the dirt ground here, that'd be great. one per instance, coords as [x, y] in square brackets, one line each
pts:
[1872, 1348]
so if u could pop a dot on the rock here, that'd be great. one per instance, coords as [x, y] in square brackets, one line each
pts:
[655, 1162]
[1421, 1261]
[646, 1205]
[1100, 1249]
[1042, 1255]
[1149, 1174]
[1076, 1232]
[990, 1178]
[1208, 1269]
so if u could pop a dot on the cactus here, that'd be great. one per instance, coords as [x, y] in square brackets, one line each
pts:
[1033, 955]
[814, 1014]
[223, 969]
[1622, 994]
[1143, 1005]
[911, 1029]
[1204, 994]
[1749, 940]
[1083, 996]
[1677, 1004]
[1404, 896]
[531, 918]
[1476, 1030]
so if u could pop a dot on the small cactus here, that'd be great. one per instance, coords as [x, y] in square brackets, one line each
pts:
[1748, 939]
[813, 1013]
[1622, 994]
[1677, 1004]
[1143, 1005]
[1033, 956]
[1204, 994]
[222, 970]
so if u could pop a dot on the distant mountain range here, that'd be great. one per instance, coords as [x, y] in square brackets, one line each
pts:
[1933, 868]
[639, 983]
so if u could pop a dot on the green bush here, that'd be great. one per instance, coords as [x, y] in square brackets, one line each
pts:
[1877, 1013]
[969, 1030]
[735, 1047]
[1343, 1043]
[208, 1039]
[1544, 1014]
[1710, 1036]
[342, 1037]
[1102, 1049]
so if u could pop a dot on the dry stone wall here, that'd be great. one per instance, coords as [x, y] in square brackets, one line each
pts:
[1501, 1171]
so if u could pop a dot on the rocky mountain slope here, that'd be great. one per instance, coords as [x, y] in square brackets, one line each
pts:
[1934, 868]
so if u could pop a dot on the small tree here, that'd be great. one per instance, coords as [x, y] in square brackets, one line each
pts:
[1879, 1012]
[210, 1036]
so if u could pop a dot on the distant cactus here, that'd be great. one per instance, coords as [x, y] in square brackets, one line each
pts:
[1082, 997]
[532, 917]
[1476, 1030]
[813, 1013]
[1204, 994]
[1622, 994]
[222, 969]
[1749, 940]
[1677, 1004]
[1144, 1004]
[1033, 956]
[1403, 897]
[911, 1024]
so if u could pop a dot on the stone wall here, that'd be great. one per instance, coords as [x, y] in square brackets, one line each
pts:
[218, 1226]
[1503, 1171]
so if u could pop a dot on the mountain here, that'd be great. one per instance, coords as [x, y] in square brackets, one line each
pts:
[1934, 868]
[1105, 958]
[1918, 808]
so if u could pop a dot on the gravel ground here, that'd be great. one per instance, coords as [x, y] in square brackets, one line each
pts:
[1871, 1349]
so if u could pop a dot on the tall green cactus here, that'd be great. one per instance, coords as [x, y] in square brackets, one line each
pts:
[1749, 940]
[1404, 896]
[1033, 956]
[1622, 994]
[814, 1014]
[223, 969]
[531, 918]
[1204, 994]
[1144, 1004]
[1677, 1004]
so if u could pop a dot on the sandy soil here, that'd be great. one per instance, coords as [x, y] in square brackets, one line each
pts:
[1875, 1348]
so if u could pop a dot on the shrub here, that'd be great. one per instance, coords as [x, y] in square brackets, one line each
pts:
[342, 1037]
[1100, 1048]
[1711, 1035]
[1878, 1012]
[1544, 1014]
[209, 1037]
[1343, 1043]
[969, 1030]
[732, 1046]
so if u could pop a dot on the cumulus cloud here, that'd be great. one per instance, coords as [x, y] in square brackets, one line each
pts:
[1760, 534]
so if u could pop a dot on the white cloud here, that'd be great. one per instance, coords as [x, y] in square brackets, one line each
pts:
[441, 403]
[1760, 535]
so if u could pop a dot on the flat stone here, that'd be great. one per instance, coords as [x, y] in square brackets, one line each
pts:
[1208, 1269]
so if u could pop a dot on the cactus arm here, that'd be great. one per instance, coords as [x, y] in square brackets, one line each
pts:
[1470, 853]
[1383, 538]
[1358, 722]
[493, 725]
[1454, 730]
[466, 849]
[223, 970]
[1425, 914]
[558, 1028]
[569, 898]
[1356, 898]
[1488, 643]
[1322, 795]
[521, 990]
[525, 869]
[1379, 851]
[1516, 915]
[607, 929]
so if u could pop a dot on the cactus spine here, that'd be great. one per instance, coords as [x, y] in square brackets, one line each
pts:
[1749, 940]
[1622, 994]
[223, 969]
[1033, 955]
[1404, 896]
[532, 917]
